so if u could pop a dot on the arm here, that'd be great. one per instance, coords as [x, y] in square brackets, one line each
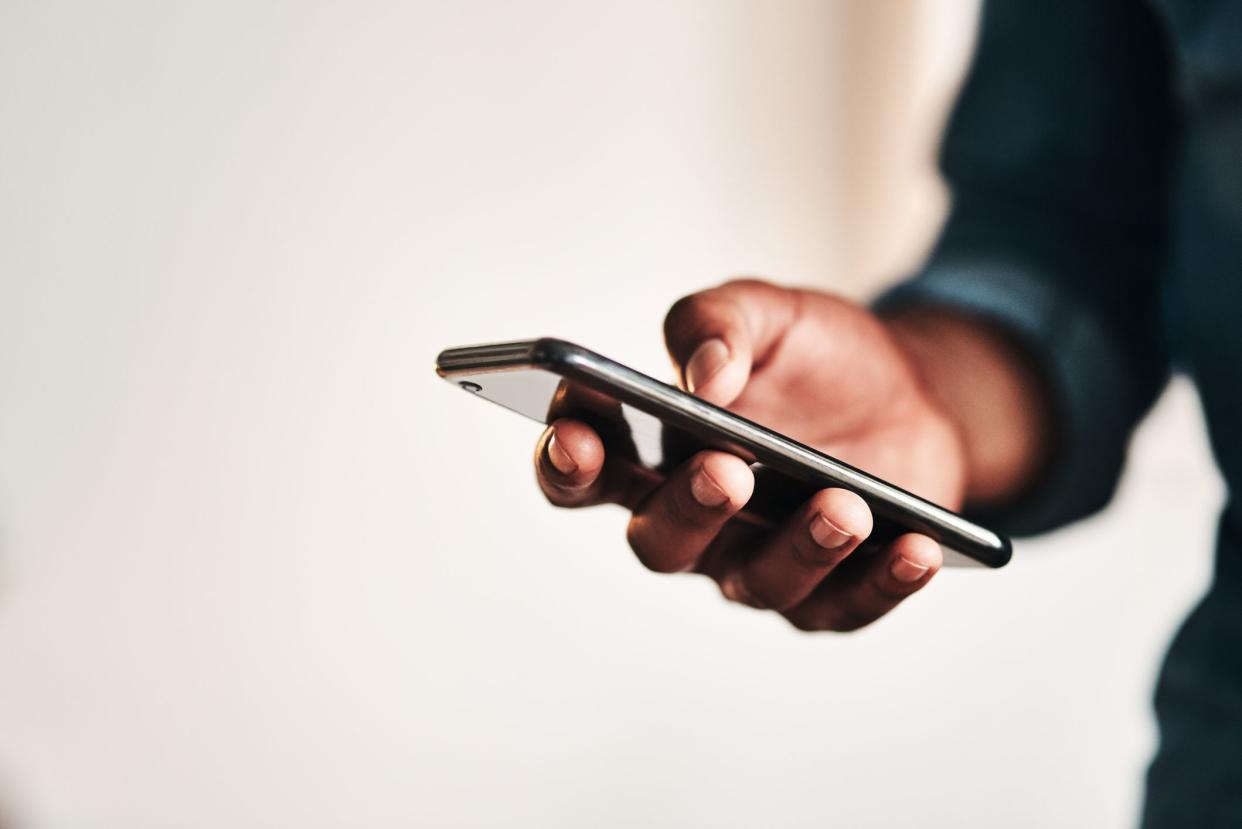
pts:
[1059, 157]
[1006, 377]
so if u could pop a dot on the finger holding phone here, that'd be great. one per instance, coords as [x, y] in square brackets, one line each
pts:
[933, 401]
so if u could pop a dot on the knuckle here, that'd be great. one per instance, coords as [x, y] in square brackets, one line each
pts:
[848, 619]
[760, 587]
[649, 554]
[803, 621]
[745, 591]
[768, 601]
[684, 308]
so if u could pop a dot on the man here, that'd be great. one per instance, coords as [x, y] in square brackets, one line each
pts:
[1095, 240]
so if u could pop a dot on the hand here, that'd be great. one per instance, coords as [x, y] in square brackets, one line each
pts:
[831, 375]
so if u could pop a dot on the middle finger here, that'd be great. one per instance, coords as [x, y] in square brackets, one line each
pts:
[673, 525]
[802, 552]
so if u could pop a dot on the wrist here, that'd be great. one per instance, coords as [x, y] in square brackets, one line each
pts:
[989, 388]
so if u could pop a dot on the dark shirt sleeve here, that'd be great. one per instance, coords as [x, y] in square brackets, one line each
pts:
[1058, 156]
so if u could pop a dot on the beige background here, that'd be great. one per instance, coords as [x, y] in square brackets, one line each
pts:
[258, 567]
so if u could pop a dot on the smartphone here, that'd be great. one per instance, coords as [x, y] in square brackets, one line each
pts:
[658, 426]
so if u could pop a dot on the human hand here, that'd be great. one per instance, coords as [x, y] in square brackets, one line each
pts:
[827, 373]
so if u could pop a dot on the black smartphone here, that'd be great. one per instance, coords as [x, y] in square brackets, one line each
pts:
[659, 426]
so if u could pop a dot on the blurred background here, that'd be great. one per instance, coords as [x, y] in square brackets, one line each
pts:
[260, 567]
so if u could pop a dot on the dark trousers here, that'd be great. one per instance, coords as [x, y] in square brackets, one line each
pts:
[1195, 779]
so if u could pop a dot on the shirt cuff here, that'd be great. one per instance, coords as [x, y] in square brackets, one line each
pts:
[1085, 367]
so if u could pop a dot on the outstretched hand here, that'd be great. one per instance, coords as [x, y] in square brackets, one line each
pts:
[825, 372]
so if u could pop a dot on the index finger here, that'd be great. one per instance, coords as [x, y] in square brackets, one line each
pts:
[569, 458]
[573, 468]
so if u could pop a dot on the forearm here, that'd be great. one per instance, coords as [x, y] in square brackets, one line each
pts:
[990, 389]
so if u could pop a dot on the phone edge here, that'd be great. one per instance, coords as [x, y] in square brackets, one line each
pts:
[984, 546]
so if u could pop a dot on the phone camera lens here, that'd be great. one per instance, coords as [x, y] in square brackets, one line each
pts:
[473, 388]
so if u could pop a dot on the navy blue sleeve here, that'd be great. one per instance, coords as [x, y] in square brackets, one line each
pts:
[1058, 157]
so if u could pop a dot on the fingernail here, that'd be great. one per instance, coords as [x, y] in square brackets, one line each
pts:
[905, 570]
[706, 491]
[827, 534]
[560, 458]
[707, 359]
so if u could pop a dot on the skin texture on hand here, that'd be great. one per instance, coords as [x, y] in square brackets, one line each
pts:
[880, 395]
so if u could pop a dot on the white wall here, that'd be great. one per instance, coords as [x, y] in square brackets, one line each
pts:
[258, 567]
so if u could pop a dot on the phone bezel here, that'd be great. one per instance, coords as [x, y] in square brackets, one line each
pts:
[680, 409]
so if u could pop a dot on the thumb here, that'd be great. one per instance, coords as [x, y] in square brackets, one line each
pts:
[717, 336]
